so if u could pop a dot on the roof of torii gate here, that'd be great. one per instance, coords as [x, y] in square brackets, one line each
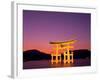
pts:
[64, 42]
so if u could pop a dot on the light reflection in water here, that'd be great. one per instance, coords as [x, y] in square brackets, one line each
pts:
[47, 64]
[61, 64]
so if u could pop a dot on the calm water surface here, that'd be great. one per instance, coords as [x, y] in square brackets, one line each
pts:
[47, 64]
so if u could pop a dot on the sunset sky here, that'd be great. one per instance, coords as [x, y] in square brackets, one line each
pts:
[41, 27]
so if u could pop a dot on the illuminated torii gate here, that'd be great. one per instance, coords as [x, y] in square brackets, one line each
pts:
[66, 46]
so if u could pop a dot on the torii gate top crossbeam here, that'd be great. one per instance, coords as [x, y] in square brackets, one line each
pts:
[65, 42]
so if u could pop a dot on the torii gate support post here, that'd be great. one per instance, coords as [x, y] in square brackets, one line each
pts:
[56, 55]
[68, 57]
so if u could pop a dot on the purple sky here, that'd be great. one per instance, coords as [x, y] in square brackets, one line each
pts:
[41, 27]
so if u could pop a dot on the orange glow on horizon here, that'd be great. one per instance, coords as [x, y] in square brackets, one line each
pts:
[47, 48]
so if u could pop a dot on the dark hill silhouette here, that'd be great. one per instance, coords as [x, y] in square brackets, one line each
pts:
[82, 53]
[37, 55]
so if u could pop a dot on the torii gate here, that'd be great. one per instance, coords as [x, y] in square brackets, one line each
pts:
[68, 57]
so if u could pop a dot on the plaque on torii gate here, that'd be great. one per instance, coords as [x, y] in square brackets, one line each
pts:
[65, 46]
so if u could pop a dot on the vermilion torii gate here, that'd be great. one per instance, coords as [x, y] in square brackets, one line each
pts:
[65, 46]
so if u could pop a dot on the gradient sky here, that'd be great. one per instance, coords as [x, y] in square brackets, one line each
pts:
[41, 27]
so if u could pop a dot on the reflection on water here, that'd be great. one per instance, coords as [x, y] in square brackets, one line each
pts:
[62, 65]
[47, 64]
